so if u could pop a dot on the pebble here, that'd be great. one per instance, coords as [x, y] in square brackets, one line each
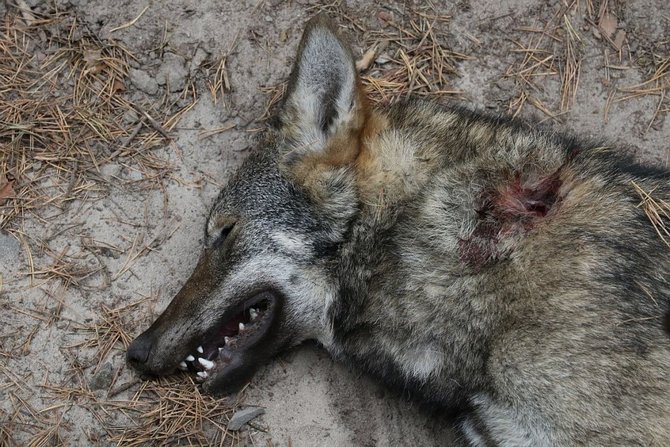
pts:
[243, 416]
[173, 72]
[103, 378]
[109, 171]
[130, 116]
[10, 248]
[198, 58]
[143, 81]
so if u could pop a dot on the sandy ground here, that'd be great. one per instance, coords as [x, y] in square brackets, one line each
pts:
[134, 241]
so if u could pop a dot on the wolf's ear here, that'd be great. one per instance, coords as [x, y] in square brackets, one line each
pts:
[323, 111]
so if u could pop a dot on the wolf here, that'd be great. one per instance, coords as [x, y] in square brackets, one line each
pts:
[484, 265]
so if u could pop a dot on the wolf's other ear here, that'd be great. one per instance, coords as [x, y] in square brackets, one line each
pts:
[323, 111]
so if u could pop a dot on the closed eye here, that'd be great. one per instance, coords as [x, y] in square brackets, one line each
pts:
[223, 235]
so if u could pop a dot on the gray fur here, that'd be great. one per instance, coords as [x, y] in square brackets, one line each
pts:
[474, 262]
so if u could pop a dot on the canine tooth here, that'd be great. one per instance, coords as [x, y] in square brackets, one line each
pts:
[253, 314]
[206, 363]
[202, 374]
[241, 326]
[183, 365]
[220, 349]
[226, 340]
[190, 358]
[200, 350]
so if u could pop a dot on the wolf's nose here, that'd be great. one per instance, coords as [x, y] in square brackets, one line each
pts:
[138, 352]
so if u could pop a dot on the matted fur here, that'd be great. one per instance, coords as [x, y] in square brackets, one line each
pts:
[477, 263]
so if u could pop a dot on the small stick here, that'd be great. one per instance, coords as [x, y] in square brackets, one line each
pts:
[155, 124]
[131, 23]
[122, 388]
[208, 133]
[130, 138]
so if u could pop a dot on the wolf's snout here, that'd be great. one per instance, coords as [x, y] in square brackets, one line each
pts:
[138, 352]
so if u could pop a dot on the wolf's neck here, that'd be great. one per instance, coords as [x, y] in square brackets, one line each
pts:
[403, 148]
[391, 165]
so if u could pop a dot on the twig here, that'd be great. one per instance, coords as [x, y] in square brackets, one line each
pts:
[210, 132]
[121, 388]
[155, 124]
[127, 141]
[131, 23]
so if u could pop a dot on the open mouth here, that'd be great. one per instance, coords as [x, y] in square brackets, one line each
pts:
[223, 347]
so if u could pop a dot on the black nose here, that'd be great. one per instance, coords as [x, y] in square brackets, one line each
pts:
[138, 352]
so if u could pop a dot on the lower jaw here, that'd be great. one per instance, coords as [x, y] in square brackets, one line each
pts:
[232, 380]
[235, 362]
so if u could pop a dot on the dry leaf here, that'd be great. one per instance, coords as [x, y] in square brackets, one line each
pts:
[618, 39]
[385, 16]
[6, 190]
[607, 25]
[93, 59]
[118, 86]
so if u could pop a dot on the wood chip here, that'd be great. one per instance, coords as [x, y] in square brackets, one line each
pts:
[26, 12]
[364, 62]
[243, 416]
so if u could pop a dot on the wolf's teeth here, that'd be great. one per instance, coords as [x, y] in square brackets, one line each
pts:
[206, 363]
[200, 350]
[183, 366]
[190, 358]
[253, 314]
[226, 340]
[241, 326]
[220, 349]
[202, 374]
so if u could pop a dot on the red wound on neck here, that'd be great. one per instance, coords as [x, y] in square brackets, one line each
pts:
[511, 210]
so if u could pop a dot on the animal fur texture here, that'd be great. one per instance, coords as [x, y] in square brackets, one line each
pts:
[481, 264]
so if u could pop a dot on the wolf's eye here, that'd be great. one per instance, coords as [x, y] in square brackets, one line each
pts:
[223, 234]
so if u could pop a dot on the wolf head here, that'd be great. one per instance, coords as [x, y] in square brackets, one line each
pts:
[264, 280]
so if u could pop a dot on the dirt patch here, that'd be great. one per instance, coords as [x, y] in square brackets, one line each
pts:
[120, 122]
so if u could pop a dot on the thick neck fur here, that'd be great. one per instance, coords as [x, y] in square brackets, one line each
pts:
[387, 313]
[422, 301]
